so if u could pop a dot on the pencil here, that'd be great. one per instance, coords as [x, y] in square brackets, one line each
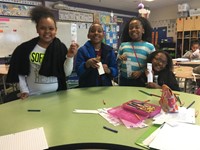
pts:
[137, 116]
[146, 101]
[155, 95]
[191, 104]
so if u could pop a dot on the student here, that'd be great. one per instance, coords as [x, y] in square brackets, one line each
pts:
[90, 54]
[133, 51]
[194, 53]
[162, 66]
[41, 64]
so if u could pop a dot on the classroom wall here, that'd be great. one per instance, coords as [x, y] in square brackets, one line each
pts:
[18, 30]
[170, 12]
[15, 30]
[166, 16]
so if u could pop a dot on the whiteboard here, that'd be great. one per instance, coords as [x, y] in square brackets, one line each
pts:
[16, 31]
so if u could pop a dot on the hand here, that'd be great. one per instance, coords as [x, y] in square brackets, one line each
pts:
[147, 72]
[136, 74]
[153, 85]
[72, 50]
[24, 95]
[123, 57]
[195, 54]
[106, 69]
[92, 62]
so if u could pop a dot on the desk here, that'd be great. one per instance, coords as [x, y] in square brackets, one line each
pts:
[189, 63]
[3, 72]
[62, 126]
[185, 72]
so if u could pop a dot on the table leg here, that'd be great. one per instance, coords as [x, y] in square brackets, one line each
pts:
[185, 85]
[4, 84]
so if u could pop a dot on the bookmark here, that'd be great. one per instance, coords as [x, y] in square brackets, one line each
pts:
[100, 69]
[73, 33]
[83, 111]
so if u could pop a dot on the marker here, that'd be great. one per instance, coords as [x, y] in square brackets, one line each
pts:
[109, 129]
[33, 110]
[191, 104]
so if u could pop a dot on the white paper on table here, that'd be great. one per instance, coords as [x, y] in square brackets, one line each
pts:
[100, 69]
[181, 59]
[183, 115]
[183, 136]
[151, 137]
[33, 139]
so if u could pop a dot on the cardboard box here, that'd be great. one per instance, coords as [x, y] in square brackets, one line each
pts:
[194, 12]
[183, 7]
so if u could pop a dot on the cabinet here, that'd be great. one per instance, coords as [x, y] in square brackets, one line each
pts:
[169, 47]
[188, 29]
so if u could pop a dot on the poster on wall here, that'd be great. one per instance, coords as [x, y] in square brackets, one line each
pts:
[26, 2]
[105, 18]
[14, 10]
[75, 16]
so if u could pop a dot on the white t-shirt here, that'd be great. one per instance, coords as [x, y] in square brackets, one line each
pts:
[37, 84]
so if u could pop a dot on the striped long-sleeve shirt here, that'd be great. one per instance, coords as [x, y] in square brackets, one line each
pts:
[142, 50]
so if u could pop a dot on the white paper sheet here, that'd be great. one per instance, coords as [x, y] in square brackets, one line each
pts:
[33, 139]
[182, 59]
[181, 137]
[183, 115]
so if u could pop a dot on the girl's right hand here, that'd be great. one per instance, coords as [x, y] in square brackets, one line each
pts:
[24, 95]
[123, 57]
[153, 85]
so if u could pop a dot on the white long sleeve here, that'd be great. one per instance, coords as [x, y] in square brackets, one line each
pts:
[68, 65]
[23, 84]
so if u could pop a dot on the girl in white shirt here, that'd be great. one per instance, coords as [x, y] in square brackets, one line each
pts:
[41, 64]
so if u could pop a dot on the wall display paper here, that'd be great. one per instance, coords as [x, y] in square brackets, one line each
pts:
[15, 31]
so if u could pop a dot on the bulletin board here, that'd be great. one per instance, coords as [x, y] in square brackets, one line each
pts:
[15, 31]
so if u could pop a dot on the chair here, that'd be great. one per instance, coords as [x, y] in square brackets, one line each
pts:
[11, 96]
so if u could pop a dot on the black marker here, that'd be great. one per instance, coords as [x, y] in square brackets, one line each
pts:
[109, 129]
[33, 110]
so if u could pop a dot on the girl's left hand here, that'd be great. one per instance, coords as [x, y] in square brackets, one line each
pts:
[147, 72]
[106, 69]
[72, 50]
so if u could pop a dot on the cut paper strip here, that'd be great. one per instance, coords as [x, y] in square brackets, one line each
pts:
[83, 111]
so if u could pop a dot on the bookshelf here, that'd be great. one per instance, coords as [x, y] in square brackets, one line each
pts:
[188, 29]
